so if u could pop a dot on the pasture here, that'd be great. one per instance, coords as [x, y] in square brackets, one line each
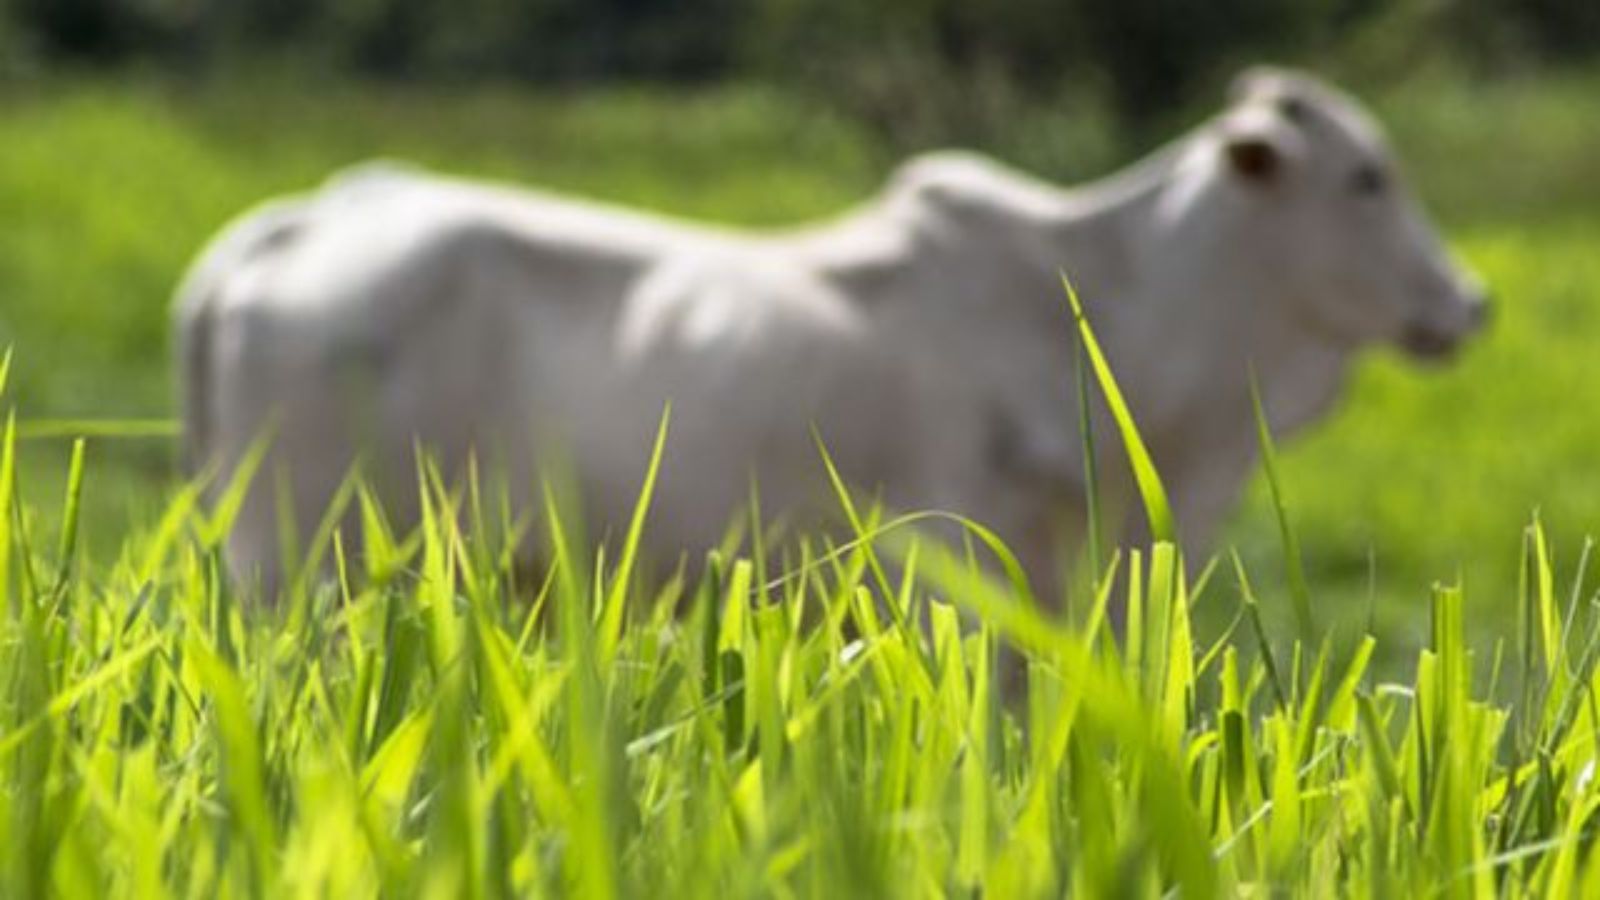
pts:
[162, 737]
[1424, 475]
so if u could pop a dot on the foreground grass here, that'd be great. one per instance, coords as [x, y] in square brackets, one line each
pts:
[427, 724]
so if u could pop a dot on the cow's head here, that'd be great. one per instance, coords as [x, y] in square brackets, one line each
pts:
[1311, 183]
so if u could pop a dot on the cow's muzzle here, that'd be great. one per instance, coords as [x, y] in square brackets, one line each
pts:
[1429, 341]
[1426, 342]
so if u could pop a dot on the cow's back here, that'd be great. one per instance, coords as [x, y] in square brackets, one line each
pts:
[391, 309]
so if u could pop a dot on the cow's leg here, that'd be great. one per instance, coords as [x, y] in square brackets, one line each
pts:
[309, 457]
[1201, 490]
[1202, 496]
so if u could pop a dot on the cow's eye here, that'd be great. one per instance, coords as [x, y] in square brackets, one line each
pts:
[1293, 109]
[1368, 181]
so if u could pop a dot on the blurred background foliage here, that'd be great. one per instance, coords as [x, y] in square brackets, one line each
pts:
[921, 70]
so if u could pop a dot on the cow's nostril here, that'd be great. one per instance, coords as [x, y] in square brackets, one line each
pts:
[1426, 342]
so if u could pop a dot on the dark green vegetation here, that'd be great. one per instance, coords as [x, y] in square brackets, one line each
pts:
[911, 66]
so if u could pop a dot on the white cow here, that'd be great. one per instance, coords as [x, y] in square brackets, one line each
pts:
[925, 335]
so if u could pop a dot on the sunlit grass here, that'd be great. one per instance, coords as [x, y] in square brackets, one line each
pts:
[427, 721]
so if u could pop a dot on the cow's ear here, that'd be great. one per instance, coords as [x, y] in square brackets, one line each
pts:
[1253, 80]
[1254, 157]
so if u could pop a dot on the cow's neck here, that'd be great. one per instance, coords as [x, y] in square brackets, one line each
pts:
[1190, 332]
[994, 245]
[972, 282]
[979, 285]
[1189, 339]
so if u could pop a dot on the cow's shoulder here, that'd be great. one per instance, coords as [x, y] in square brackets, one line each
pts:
[734, 297]
[383, 174]
[966, 184]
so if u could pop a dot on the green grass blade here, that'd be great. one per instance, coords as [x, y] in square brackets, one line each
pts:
[1294, 565]
[135, 429]
[67, 550]
[609, 631]
[243, 761]
[8, 485]
[1091, 465]
[1157, 509]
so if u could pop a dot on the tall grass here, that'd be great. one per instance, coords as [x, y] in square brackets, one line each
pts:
[429, 723]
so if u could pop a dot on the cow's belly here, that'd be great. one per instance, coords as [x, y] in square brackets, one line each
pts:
[741, 425]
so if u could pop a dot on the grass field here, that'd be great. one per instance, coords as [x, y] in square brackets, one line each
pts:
[391, 736]
[111, 187]
[429, 726]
